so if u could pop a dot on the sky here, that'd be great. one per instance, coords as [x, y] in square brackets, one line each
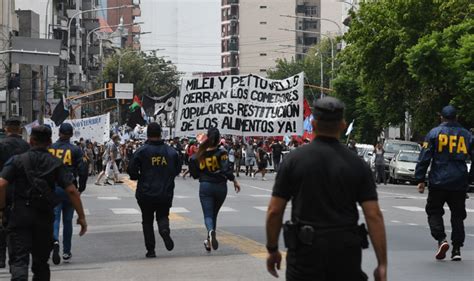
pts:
[187, 30]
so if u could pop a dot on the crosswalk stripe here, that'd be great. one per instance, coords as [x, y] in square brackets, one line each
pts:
[178, 210]
[410, 208]
[86, 212]
[125, 211]
[108, 198]
[227, 209]
[181, 197]
[261, 195]
[262, 208]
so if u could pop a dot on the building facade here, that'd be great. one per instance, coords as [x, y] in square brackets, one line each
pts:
[126, 16]
[257, 33]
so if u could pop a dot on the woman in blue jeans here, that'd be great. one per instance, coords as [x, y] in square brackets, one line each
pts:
[211, 166]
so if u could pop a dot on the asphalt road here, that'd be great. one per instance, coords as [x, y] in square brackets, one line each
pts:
[114, 249]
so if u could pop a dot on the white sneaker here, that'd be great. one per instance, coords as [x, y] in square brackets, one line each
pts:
[264, 179]
[207, 245]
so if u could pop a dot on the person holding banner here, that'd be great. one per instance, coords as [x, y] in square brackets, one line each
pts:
[211, 166]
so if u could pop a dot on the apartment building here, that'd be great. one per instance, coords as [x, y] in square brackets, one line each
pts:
[126, 16]
[257, 33]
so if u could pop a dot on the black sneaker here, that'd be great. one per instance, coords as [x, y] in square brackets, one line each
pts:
[213, 240]
[456, 254]
[67, 258]
[56, 258]
[151, 254]
[169, 244]
[443, 247]
[207, 245]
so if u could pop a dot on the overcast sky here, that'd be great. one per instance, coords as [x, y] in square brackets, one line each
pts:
[188, 30]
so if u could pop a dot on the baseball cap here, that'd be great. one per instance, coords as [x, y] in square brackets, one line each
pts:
[449, 112]
[153, 130]
[328, 109]
[66, 129]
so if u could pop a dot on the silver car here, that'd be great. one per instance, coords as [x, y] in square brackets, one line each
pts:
[402, 166]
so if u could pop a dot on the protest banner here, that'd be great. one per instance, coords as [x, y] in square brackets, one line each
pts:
[246, 105]
[95, 129]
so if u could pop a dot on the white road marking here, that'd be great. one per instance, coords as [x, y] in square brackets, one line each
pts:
[125, 211]
[181, 197]
[178, 210]
[261, 195]
[256, 187]
[227, 209]
[262, 208]
[394, 221]
[402, 195]
[108, 198]
[410, 208]
[413, 224]
[470, 235]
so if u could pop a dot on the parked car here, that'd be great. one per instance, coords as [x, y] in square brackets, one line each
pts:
[402, 166]
[392, 147]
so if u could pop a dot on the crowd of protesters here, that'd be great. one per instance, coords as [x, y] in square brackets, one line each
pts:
[249, 156]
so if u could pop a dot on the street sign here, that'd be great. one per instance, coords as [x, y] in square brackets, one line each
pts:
[124, 91]
[27, 50]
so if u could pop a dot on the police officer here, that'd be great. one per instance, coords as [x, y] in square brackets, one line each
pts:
[325, 181]
[446, 148]
[30, 226]
[11, 145]
[155, 165]
[71, 156]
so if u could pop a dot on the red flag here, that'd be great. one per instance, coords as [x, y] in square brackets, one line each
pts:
[307, 109]
[137, 100]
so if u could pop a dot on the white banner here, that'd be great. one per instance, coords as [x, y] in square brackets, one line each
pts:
[246, 105]
[95, 129]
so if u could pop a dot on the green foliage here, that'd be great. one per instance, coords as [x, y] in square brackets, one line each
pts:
[146, 72]
[410, 56]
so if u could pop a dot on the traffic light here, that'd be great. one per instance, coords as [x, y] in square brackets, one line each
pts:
[110, 90]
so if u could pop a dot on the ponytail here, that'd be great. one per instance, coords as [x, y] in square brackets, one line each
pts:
[213, 137]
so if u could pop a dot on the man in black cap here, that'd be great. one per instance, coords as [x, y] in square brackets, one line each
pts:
[325, 181]
[155, 165]
[446, 149]
[35, 174]
[11, 145]
[71, 156]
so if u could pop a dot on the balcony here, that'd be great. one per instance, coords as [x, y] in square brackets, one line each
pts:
[229, 2]
[136, 29]
[230, 46]
[136, 11]
[230, 14]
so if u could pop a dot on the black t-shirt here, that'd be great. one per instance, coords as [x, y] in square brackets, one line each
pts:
[277, 149]
[214, 166]
[45, 166]
[325, 180]
[262, 155]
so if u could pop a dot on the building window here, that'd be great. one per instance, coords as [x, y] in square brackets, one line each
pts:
[263, 22]
[263, 54]
[263, 38]
[263, 7]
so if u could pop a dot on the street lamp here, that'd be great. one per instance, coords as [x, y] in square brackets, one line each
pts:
[69, 37]
[102, 27]
[330, 40]
[322, 71]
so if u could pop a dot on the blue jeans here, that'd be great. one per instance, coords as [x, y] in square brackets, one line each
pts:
[212, 196]
[67, 211]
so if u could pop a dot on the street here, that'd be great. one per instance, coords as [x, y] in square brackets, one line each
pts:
[113, 249]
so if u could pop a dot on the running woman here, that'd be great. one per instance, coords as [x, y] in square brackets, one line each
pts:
[211, 165]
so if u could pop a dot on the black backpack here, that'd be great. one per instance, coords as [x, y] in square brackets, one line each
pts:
[40, 195]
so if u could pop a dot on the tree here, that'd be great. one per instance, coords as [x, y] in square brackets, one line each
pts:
[149, 74]
[390, 47]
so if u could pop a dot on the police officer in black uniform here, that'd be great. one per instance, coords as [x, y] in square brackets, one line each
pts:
[325, 181]
[155, 165]
[71, 155]
[11, 145]
[446, 148]
[30, 226]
